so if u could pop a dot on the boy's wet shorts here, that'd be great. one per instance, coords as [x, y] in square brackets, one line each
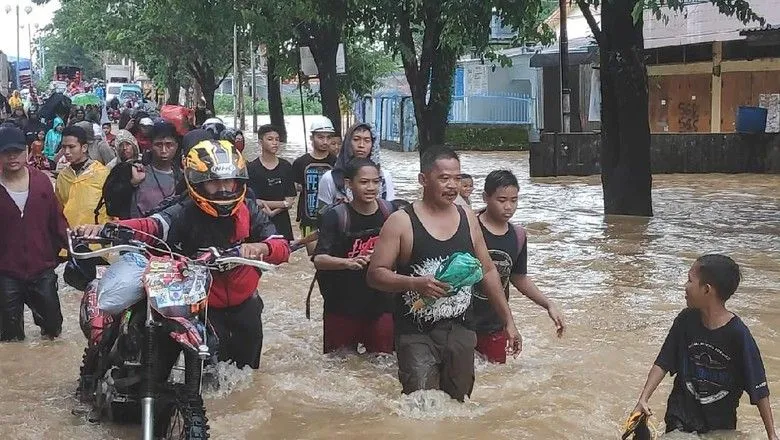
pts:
[341, 331]
[492, 346]
[441, 359]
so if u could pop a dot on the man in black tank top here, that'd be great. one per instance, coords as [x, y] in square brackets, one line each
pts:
[434, 338]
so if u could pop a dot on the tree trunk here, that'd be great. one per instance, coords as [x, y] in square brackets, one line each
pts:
[324, 50]
[275, 107]
[434, 128]
[208, 94]
[625, 138]
[173, 87]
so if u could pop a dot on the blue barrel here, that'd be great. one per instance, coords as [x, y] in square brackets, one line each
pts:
[751, 120]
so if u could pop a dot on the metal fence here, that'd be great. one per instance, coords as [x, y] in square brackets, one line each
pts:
[495, 108]
[392, 116]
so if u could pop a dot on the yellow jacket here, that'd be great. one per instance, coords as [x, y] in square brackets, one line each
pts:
[15, 101]
[80, 193]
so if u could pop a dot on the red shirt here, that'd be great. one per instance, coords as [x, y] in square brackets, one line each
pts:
[31, 240]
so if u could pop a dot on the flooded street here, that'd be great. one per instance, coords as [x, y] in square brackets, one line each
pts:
[618, 281]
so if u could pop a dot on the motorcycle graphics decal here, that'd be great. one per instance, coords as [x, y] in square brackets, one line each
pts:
[175, 289]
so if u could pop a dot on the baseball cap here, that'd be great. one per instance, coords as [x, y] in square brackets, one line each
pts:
[322, 125]
[146, 121]
[12, 138]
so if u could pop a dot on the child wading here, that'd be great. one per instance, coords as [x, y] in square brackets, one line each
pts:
[354, 312]
[508, 249]
[712, 355]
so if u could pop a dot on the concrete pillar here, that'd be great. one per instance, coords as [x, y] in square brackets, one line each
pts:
[717, 57]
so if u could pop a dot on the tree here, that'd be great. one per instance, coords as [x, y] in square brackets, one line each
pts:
[322, 34]
[196, 39]
[626, 177]
[430, 35]
[62, 52]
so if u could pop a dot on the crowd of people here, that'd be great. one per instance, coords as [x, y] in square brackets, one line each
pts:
[378, 259]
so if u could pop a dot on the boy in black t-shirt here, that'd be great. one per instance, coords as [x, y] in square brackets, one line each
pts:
[271, 179]
[307, 172]
[354, 312]
[508, 249]
[712, 355]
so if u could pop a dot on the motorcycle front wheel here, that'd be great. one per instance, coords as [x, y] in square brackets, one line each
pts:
[183, 417]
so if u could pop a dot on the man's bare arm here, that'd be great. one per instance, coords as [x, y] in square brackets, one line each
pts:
[381, 273]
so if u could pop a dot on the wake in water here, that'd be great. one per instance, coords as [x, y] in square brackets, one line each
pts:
[436, 404]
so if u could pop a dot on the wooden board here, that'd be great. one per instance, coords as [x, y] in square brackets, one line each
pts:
[744, 88]
[680, 103]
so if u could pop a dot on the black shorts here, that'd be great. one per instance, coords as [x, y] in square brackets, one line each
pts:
[441, 359]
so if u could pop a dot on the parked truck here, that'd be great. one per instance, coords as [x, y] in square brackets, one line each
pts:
[118, 73]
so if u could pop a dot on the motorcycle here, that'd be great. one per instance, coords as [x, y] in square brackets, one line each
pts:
[123, 371]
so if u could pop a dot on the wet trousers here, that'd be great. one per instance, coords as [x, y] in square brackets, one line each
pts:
[40, 295]
[439, 359]
[240, 332]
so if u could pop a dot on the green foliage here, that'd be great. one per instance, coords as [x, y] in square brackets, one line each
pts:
[223, 105]
[62, 52]
[365, 65]
[658, 8]
[165, 37]
[430, 35]
[487, 137]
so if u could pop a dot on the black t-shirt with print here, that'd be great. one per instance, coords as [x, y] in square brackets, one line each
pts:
[307, 172]
[510, 255]
[345, 291]
[712, 368]
[274, 185]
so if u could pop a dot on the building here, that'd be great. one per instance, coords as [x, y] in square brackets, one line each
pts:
[702, 66]
[484, 93]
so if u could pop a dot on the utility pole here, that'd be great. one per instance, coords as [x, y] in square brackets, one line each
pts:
[563, 49]
[235, 76]
[253, 63]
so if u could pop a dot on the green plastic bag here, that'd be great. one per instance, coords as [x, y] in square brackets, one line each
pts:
[459, 270]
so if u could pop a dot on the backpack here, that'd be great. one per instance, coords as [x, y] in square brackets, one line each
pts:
[119, 175]
[385, 207]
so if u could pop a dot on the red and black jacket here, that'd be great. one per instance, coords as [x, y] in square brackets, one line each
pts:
[187, 229]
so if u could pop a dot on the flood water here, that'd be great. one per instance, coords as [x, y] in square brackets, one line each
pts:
[618, 280]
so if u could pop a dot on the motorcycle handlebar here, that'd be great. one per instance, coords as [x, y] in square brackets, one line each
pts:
[212, 257]
[259, 264]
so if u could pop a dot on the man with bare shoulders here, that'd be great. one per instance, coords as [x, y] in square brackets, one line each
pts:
[434, 337]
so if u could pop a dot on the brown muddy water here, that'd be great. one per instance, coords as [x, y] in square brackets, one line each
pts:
[618, 280]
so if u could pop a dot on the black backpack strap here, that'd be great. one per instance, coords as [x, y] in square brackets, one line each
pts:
[386, 207]
[101, 203]
[521, 236]
[308, 297]
[343, 214]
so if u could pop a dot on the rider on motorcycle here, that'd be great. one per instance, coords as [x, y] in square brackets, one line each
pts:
[218, 214]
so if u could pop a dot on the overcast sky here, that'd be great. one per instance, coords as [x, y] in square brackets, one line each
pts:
[40, 14]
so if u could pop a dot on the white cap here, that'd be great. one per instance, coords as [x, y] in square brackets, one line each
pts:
[322, 125]
[146, 121]
[211, 121]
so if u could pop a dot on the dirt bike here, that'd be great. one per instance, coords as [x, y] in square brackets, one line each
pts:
[122, 375]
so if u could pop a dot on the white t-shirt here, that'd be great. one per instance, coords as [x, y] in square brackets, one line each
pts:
[327, 192]
[19, 197]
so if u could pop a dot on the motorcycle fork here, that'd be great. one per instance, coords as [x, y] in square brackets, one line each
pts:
[150, 368]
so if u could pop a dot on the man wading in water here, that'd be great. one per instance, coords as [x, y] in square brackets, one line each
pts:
[435, 343]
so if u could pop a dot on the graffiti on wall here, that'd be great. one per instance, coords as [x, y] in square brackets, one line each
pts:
[689, 116]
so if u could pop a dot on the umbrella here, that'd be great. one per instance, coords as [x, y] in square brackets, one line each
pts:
[83, 99]
[56, 104]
